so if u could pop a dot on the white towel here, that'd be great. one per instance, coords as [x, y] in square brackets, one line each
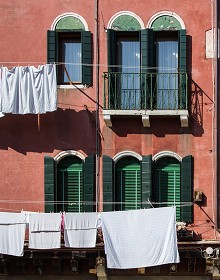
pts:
[25, 90]
[44, 230]
[140, 238]
[80, 230]
[12, 233]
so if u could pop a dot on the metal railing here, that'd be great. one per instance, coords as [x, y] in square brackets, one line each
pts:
[145, 91]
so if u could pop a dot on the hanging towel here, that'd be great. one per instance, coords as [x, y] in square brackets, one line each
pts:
[44, 230]
[25, 90]
[80, 230]
[140, 238]
[12, 233]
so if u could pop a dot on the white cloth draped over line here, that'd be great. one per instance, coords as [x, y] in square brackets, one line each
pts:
[140, 238]
[45, 230]
[28, 90]
[80, 230]
[12, 233]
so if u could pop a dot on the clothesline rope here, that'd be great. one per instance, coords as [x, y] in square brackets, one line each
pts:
[182, 203]
[26, 64]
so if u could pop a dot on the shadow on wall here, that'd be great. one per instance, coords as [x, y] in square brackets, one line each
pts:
[62, 130]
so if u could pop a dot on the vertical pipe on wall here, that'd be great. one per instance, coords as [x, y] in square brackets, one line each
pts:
[96, 40]
[216, 113]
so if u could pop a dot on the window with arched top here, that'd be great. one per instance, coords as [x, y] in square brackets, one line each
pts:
[128, 184]
[147, 67]
[166, 184]
[69, 183]
[69, 190]
[70, 46]
[163, 180]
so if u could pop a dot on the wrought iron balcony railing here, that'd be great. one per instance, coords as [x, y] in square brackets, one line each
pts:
[145, 91]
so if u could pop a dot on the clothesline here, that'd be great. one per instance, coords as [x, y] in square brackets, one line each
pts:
[94, 203]
[84, 64]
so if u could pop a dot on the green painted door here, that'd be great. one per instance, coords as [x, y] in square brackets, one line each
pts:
[167, 184]
[128, 184]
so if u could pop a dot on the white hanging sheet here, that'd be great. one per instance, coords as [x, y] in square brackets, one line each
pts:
[45, 230]
[28, 90]
[140, 238]
[12, 233]
[80, 230]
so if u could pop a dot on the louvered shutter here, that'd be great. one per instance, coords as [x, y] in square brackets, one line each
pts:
[131, 190]
[167, 184]
[147, 62]
[111, 41]
[86, 39]
[186, 188]
[108, 192]
[182, 69]
[146, 180]
[128, 185]
[49, 184]
[51, 46]
[89, 183]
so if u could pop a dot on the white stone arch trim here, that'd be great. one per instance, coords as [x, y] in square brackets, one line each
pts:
[63, 154]
[53, 26]
[166, 13]
[109, 26]
[166, 154]
[120, 155]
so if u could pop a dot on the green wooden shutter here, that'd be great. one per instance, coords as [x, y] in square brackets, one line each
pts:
[167, 184]
[146, 180]
[51, 46]
[147, 49]
[147, 62]
[186, 187]
[127, 184]
[49, 184]
[108, 192]
[182, 50]
[182, 69]
[86, 39]
[89, 183]
[111, 41]
[131, 188]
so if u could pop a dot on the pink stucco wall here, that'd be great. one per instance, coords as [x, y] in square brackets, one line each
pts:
[23, 27]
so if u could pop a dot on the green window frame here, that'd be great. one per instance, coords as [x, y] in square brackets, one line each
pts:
[71, 179]
[147, 165]
[55, 54]
[148, 84]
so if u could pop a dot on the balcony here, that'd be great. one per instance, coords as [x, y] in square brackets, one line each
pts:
[146, 95]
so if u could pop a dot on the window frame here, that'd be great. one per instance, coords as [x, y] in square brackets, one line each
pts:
[86, 53]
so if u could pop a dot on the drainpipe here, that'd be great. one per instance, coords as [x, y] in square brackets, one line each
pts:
[96, 41]
[216, 220]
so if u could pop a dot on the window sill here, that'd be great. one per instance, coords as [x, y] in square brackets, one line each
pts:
[145, 115]
[70, 86]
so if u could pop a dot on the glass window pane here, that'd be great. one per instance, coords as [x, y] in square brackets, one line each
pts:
[129, 66]
[71, 51]
[167, 63]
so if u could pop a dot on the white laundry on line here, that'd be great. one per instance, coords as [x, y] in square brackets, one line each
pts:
[28, 90]
[45, 230]
[12, 233]
[80, 230]
[140, 238]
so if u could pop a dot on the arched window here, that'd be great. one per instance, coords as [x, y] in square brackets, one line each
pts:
[166, 184]
[70, 45]
[69, 192]
[127, 184]
[69, 182]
